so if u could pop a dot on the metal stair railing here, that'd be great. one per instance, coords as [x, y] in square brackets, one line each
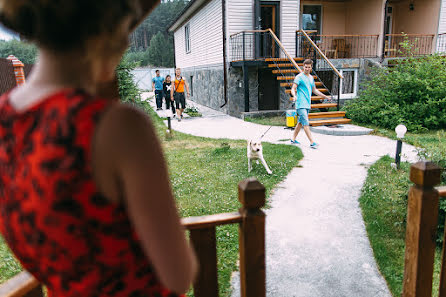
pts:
[324, 70]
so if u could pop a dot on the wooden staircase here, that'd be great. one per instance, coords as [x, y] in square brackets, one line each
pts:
[285, 73]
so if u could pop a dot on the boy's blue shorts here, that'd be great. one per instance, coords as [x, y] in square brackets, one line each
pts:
[303, 116]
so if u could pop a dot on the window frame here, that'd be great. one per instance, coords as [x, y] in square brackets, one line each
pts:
[355, 84]
[187, 38]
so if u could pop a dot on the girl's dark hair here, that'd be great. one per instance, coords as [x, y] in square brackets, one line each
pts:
[167, 75]
[66, 24]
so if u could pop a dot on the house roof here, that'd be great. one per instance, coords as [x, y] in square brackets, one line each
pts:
[191, 8]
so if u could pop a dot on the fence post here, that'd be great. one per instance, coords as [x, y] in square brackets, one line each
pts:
[205, 245]
[422, 219]
[18, 70]
[251, 194]
[243, 42]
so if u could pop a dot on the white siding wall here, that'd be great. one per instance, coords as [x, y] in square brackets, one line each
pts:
[441, 40]
[289, 23]
[240, 14]
[442, 24]
[206, 38]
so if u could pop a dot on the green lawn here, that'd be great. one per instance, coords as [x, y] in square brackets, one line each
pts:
[204, 176]
[384, 207]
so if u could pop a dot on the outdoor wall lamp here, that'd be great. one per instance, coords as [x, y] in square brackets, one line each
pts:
[400, 131]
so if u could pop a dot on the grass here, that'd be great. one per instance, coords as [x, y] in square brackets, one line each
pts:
[204, 175]
[384, 205]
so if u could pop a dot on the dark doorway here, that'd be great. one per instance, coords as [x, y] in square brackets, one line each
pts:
[269, 19]
[268, 90]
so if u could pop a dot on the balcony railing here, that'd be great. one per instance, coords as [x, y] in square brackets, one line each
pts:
[341, 46]
[420, 44]
[441, 43]
[253, 45]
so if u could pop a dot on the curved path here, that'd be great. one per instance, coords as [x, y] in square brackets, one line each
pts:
[316, 242]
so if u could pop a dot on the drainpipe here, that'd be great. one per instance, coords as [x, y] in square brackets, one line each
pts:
[225, 73]
[384, 33]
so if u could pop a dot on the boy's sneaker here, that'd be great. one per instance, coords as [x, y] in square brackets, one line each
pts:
[294, 142]
[314, 145]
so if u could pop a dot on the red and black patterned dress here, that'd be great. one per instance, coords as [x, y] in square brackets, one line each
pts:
[62, 230]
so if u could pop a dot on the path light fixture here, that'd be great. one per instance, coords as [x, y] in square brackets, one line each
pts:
[400, 131]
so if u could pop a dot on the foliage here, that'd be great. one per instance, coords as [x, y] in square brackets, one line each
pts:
[25, 52]
[413, 93]
[193, 112]
[140, 58]
[151, 42]
[128, 91]
[161, 51]
[158, 21]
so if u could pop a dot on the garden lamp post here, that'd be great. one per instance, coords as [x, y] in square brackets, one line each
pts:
[400, 131]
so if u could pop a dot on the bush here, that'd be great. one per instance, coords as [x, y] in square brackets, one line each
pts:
[140, 58]
[128, 90]
[25, 52]
[412, 93]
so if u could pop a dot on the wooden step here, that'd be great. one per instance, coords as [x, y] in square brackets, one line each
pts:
[323, 105]
[282, 59]
[329, 122]
[290, 84]
[291, 77]
[285, 71]
[288, 91]
[313, 98]
[328, 114]
[288, 65]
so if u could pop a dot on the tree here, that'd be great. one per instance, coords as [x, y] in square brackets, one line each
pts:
[160, 51]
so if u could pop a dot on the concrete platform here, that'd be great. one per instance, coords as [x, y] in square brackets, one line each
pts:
[341, 130]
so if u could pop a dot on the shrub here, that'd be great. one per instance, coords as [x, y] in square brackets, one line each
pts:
[25, 52]
[128, 90]
[412, 93]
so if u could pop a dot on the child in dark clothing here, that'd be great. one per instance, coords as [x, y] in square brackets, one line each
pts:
[166, 88]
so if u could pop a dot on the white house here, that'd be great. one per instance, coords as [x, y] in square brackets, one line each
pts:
[6, 34]
[227, 63]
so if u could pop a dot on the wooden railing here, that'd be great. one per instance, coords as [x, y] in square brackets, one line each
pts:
[421, 226]
[251, 220]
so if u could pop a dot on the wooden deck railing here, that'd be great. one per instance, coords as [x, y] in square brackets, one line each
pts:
[422, 44]
[421, 226]
[251, 220]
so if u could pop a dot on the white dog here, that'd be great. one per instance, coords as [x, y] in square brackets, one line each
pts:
[255, 152]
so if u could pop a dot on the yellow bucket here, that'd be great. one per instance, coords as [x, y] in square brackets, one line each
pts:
[291, 118]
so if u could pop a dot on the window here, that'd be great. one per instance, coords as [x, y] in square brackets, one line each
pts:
[187, 37]
[312, 18]
[349, 83]
[191, 85]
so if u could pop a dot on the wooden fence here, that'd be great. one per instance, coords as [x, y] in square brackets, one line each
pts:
[251, 220]
[421, 227]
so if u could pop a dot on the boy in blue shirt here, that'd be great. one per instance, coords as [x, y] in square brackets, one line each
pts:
[303, 87]
[157, 85]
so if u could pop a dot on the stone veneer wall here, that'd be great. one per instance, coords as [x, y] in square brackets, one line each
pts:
[236, 94]
[208, 86]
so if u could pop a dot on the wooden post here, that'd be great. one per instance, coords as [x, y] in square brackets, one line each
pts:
[204, 243]
[422, 219]
[251, 195]
[18, 70]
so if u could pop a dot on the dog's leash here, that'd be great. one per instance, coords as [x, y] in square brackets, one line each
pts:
[265, 132]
